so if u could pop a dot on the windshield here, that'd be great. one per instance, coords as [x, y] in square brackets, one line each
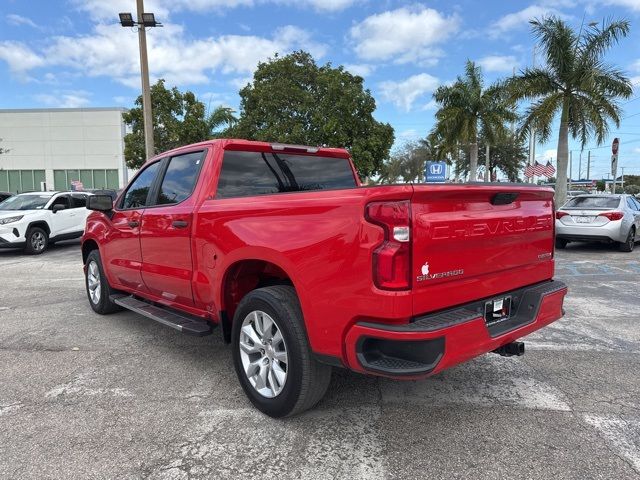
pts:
[25, 202]
[593, 202]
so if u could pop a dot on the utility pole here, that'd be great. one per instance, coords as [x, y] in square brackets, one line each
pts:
[146, 88]
[580, 167]
[588, 164]
[570, 169]
[144, 20]
[622, 179]
[487, 165]
[532, 136]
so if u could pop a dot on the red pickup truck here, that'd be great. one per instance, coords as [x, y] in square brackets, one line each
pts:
[305, 269]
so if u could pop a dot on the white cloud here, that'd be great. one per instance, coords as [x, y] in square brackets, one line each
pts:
[19, 57]
[521, 18]
[408, 134]
[17, 20]
[108, 10]
[498, 63]
[403, 94]
[631, 4]
[405, 35]
[361, 69]
[430, 105]
[113, 52]
[64, 99]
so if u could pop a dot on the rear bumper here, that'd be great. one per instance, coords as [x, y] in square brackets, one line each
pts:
[432, 343]
[611, 232]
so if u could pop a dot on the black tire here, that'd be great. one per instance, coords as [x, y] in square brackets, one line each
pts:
[102, 305]
[561, 243]
[630, 242]
[307, 379]
[37, 241]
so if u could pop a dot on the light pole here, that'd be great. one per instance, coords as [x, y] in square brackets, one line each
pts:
[144, 20]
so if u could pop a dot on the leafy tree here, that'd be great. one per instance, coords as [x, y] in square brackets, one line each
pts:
[600, 186]
[407, 163]
[507, 154]
[178, 119]
[293, 100]
[466, 109]
[632, 189]
[576, 82]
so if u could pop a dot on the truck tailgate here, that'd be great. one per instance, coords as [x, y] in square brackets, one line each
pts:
[468, 246]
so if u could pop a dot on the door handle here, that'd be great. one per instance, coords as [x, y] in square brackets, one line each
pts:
[179, 224]
[134, 223]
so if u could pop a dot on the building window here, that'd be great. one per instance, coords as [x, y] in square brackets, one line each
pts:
[19, 181]
[90, 179]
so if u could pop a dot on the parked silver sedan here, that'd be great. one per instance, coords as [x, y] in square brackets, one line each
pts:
[599, 218]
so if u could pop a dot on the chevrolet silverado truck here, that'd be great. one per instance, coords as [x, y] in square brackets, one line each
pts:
[304, 269]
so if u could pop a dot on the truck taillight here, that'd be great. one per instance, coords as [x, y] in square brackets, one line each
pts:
[612, 215]
[559, 215]
[392, 258]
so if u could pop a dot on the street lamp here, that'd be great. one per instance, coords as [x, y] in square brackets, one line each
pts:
[145, 20]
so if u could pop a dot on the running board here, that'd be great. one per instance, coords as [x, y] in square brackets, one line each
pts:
[182, 323]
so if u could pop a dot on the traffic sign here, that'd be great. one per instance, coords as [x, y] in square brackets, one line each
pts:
[615, 146]
[435, 172]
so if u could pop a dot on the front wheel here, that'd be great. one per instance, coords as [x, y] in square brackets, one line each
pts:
[271, 353]
[98, 288]
[37, 241]
[630, 242]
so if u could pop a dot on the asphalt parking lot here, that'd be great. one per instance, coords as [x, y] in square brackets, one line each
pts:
[85, 396]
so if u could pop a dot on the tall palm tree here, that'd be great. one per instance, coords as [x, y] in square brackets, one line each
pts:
[466, 107]
[574, 81]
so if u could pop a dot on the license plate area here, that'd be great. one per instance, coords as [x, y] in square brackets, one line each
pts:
[497, 310]
[584, 219]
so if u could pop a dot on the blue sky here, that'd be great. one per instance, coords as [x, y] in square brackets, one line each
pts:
[72, 53]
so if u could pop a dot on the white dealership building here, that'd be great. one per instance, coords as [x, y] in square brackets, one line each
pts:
[61, 147]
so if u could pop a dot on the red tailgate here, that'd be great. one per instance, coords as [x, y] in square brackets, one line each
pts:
[468, 246]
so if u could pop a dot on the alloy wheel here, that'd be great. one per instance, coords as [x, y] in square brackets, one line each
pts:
[93, 282]
[263, 353]
[38, 241]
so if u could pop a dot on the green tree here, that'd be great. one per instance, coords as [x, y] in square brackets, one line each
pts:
[178, 119]
[600, 186]
[575, 82]
[507, 154]
[293, 100]
[466, 109]
[407, 162]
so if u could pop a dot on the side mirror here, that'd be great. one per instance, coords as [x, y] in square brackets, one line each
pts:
[100, 203]
[58, 207]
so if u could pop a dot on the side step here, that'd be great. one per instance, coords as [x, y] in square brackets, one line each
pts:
[181, 322]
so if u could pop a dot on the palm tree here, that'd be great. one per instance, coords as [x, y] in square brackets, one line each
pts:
[576, 82]
[466, 107]
[219, 117]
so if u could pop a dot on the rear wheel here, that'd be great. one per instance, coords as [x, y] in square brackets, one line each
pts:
[271, 353]
[98, 288]
[561, 243]
[630, 242]
[37, 241]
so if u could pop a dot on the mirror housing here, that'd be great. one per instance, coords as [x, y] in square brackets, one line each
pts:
[100, 203]
[57, 208]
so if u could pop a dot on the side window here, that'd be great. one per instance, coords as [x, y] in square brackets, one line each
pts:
[180, 178]
[61, 200]
[78, 201]
[136, 195]
[632, 204]
[635, 200]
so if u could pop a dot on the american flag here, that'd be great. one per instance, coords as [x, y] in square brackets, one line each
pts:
[539, 169]
[528, 172]
[549, 170]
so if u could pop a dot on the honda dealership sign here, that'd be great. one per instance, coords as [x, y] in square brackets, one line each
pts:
[435, 172]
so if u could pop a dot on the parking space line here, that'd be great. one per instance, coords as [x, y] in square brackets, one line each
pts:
[619, 435]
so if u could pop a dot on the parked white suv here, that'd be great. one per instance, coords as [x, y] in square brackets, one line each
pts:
[34, 221]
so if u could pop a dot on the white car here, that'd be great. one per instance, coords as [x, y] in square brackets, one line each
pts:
[34, 221]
